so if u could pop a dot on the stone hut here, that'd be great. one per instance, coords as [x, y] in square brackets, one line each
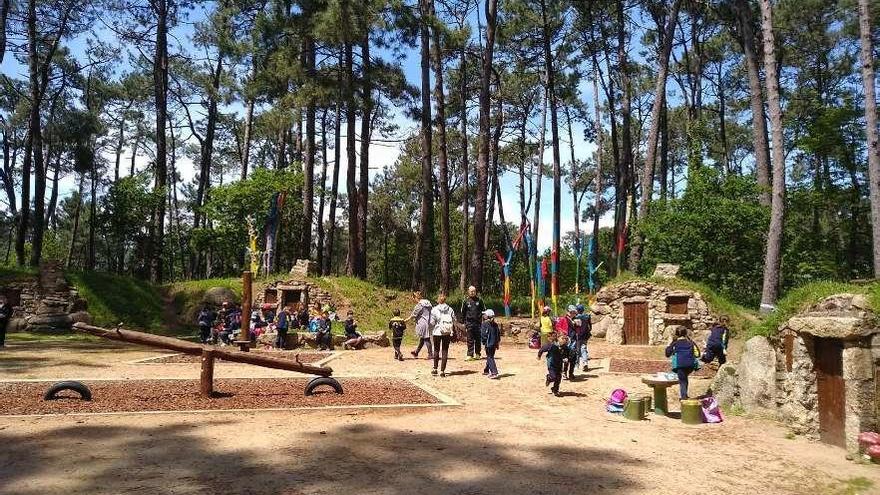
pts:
[294, 292]
[825, 370]
[46, 302]
[644, 313]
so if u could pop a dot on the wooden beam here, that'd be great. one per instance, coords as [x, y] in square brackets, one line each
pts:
[192, 348]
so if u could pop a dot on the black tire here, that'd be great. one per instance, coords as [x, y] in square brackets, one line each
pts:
[78, 387]
[323, 380]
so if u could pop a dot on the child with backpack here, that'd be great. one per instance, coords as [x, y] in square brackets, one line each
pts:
[683, 353]
[716, 344]
[443, 320]
[556, 351]
[584, 323]
[397, 325]
[491, 336]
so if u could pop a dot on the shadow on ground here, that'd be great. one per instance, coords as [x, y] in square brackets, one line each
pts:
[359, 459]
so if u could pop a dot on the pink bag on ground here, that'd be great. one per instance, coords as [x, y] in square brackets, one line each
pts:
[618, 396]
[868, 438]
[711, 411]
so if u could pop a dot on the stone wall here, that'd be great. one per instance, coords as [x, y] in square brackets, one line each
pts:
[794, 396]
[608, 312]
[47, 303]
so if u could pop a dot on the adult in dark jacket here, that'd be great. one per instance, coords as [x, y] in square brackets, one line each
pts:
[491, 337]
[716, 344]
[5, 316]
[471, 315]
[684, 355]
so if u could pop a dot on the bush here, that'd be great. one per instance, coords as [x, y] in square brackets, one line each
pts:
[715, 231]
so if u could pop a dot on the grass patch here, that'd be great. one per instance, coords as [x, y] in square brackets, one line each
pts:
[372, 305]
[9, 274]
[113, 299]
[854, 486]
[801, 298]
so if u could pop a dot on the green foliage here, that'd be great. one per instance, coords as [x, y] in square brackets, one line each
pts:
[801, 298]
[715, 231]
[113, 299]
[229, 206]
[10, 273]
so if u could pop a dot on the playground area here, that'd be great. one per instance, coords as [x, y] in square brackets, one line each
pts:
[397, 430]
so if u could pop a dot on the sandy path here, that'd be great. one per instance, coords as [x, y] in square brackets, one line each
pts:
[508, 437]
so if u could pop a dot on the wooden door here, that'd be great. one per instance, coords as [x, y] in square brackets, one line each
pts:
[829, 381]
[635, 323]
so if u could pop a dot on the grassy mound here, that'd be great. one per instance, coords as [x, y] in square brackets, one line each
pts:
[801, 298]
[372, 305]
[9, 274]
[113, 299]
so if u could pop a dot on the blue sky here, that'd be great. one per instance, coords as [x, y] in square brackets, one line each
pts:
[381, 155]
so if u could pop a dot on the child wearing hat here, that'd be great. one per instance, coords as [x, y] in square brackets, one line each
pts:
[491, 337]
[397, 325]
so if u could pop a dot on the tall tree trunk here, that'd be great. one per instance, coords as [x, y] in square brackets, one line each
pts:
[465, 173]
[594, 262]
[483, 147]
[576, 205]
[206, 157]
[539, 175]
[770, 289]
[156, 244]
[722, 121]
[424, 253]
[626, 161]
[134, 148]
[323, 197]
[867, 59]
[654, 131]
[664, 151]
[9, 158]
[76, 215]
[53, 196]
[443, 161]
[334, 189]
[351, 167]
[120, 144]
[366, 131]
[309, 158]
[4, 13]
[557, 172]
[744, 18]
[248, 127]
[34, 149]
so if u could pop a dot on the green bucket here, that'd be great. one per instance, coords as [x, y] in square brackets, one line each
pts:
[691, 413]
[634, 409]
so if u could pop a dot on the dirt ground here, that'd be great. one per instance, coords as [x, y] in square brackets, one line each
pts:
[507, 437]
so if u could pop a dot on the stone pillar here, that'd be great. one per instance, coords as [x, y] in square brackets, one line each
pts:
[858, 376]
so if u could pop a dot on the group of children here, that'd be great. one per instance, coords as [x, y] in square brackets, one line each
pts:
[564, 341]
[685, 355]
[440, 325]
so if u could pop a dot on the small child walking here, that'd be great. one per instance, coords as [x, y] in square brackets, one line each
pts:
[683, 353]
[556, 350]
[491, 336]
[397, 325]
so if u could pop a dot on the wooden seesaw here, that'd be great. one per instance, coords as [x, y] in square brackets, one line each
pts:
[210, 353]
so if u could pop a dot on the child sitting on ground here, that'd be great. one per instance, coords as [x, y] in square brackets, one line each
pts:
[323, 336]
[397, 325]
[353, 338]
[555, 350]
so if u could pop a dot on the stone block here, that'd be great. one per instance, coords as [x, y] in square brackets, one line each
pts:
[666, 270]
[838, 327]
[724, 385]
[857, 364]
[757, 374]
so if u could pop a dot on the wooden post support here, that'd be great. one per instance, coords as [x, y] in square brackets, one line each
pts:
[244, 337]
[206, 385]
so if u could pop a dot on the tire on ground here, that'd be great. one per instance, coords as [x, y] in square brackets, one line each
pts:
[321, 381]
[78, 387]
